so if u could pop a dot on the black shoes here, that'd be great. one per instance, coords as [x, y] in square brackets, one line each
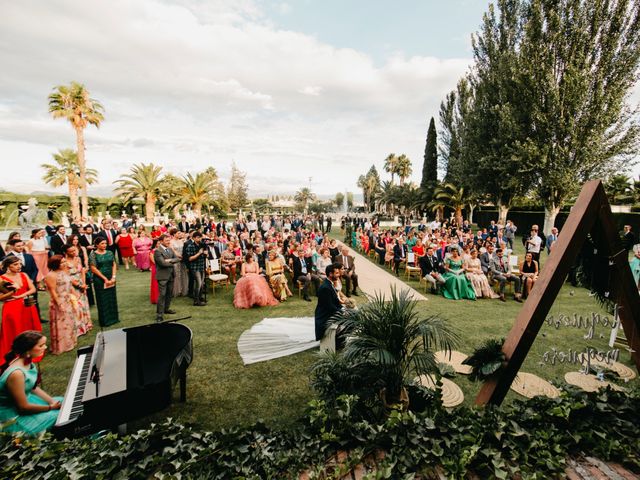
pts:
[355, 293]
[170, 312]
[307, 298]
[159, 319]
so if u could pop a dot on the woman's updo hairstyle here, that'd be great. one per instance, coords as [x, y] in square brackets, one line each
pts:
[21, 345]
[8, 261]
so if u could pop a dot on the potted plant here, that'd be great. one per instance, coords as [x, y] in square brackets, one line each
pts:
[395, 342]
[486, 360]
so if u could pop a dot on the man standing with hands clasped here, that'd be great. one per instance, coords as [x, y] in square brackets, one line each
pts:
[165, 259]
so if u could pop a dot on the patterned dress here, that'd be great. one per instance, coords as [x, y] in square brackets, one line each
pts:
[83, 321]
[10, 419]
[62, 316]
[181, 279]
[106, 298]
[479, 280]
[142, 246]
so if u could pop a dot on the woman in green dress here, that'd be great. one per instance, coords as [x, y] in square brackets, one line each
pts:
[104, 268]
[24, 406]
[457, 286]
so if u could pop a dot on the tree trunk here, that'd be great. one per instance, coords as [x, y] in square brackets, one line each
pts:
[472, 207]
[550, 213]
[197, 209]
[503, 210]
[83, 171]
[459, 216]
[150, 208]
[73, 197]
[176, 212]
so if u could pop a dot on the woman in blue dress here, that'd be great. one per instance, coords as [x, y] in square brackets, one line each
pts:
[24, 406]
[457, 286]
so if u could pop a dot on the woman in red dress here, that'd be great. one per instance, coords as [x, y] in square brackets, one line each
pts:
[153, 290]
[125, 245]
[16, 316]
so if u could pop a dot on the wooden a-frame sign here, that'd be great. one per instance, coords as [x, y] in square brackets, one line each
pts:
[591, 214]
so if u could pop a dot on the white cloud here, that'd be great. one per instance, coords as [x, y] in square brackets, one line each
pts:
[192, 83]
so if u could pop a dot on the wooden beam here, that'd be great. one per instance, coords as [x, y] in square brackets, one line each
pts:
[535, 310]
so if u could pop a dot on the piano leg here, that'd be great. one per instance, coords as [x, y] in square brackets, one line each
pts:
[183, 385]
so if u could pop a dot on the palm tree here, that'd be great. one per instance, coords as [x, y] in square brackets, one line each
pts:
[393, 338]
[171, 193]
[390, 164]
[339, 201]
[74, 104]
[448, 195]
[372, 187]
[66, 170]
[197, 191]
[403, 168]
[145, 182]
[304, 196]
[619, 190]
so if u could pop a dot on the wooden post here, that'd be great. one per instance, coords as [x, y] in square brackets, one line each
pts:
[590, 211]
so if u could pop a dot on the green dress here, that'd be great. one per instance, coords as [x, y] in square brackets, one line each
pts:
[10, 419]
[457, 287]
[635, 269]
[106, 299]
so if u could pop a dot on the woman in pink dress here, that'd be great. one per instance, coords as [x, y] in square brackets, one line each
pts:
[18, 314]
[153, 290]
[39, 248]
[63, 307]
[252, 289]
[141, 248]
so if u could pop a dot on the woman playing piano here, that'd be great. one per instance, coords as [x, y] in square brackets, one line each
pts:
[24, 406]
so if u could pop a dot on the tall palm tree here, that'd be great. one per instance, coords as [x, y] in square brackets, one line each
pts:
[390, 164]
[66, 170]
[143, 182]
[304, 196]
[372, 188]
[403, 168]
[73, 103]
[197, 191]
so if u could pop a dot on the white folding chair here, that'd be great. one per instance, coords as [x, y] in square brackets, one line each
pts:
[216, 276]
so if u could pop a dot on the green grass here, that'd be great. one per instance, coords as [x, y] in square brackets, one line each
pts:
[222, 392]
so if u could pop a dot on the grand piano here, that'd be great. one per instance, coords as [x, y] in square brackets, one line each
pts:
[127, 374]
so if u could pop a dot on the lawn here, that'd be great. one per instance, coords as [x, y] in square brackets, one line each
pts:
[221, 392]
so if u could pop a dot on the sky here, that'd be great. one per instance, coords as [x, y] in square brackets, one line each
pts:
[303, 93]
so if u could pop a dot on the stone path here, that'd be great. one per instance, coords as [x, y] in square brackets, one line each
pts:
[372, 279]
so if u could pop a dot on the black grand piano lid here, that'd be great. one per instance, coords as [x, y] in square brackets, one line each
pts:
[154, 350]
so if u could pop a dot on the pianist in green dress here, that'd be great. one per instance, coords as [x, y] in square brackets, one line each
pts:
[24, 406]
[103, 266]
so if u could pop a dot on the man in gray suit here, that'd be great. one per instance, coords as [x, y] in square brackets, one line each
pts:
[164, 259]
[501, 271]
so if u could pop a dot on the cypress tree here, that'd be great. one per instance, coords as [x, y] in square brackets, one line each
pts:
[430, 165]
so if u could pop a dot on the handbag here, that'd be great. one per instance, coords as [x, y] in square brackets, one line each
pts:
[30, 301]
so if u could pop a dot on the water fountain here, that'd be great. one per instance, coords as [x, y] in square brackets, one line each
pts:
[32, 217]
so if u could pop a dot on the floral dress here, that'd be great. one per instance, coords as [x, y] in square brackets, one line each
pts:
[63, 316]
[83, 321]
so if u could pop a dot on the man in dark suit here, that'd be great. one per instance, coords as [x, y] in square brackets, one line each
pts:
[349, 273]
[628, 238]
[165, 259]
[109, 234]
[87, 238]
[29, 266]
[302, 272]
[399, 254]
[328, 302]
[184, 226]
[431, 268]
[59, 240]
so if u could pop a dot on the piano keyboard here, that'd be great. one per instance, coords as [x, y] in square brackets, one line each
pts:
[72, 404]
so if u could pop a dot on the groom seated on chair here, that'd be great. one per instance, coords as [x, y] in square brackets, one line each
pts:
[328, 302]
